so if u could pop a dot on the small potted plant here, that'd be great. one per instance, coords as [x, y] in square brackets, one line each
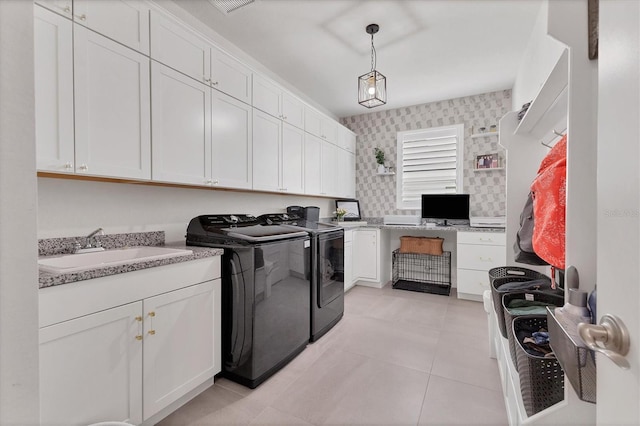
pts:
[380, 160]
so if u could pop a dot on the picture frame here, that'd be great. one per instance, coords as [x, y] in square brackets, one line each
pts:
[352, 206]
[487, 161]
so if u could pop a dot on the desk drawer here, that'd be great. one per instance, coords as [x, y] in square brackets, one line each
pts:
[483, 238]
[479, 257]
[472, 282]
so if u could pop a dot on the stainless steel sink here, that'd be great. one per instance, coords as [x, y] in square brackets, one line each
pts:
[81, 262]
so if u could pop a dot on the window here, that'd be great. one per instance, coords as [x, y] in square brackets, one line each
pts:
[429, 162]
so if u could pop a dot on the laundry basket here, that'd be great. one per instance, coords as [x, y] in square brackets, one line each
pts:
[552, 299]
[541, 379]
[509, 274]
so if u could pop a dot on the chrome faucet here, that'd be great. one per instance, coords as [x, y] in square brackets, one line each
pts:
[91, 244]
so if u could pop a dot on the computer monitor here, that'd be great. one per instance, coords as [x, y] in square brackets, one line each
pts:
[445, 207]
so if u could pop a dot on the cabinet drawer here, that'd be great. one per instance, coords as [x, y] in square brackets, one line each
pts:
[484, 238]
[472, 281]
[480, 257]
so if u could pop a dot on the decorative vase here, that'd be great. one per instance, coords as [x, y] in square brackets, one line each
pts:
[381, 169]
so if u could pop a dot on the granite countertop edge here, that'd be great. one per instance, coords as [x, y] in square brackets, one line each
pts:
[47, 279]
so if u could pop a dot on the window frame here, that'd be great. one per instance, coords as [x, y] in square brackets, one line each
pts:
[454, 129]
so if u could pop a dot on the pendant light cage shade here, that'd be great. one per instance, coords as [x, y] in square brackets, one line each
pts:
[372, 89]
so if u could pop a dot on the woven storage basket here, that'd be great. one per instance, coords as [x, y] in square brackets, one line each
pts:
[421, 245]
[497, 281]
[541, 379]
[555, 299]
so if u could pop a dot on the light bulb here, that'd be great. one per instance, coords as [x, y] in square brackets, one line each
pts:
[372, 85]
[372, 90]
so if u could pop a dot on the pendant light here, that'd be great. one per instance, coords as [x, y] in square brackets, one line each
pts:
[372, 86]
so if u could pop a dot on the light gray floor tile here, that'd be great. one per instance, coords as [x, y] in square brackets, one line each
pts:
[399, 309]
[449, 402]
[404, 344]
[273, 417]
[466, 359]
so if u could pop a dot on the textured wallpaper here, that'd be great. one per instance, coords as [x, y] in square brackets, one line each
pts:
[377, 194]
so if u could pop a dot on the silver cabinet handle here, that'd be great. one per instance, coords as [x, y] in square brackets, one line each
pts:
[82, 17]
[83, 167]
[208, 181]
[68, 165]
[65, 9]
[207, 80]
[613, 335]
[215, 83]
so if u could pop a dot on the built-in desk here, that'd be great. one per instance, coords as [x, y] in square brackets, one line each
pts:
[473, 252]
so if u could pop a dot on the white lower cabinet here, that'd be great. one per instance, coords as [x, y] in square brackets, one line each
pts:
[133, 361]
[477, 252]
[348, 259]
[366, 254]
[91, 368]
[178, 343]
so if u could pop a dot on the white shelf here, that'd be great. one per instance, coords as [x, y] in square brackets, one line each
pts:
[484, 135]
[488, 168]
[549, 108]
[386, 174]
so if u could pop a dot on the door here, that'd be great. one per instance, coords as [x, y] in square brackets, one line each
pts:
[365, 254]
[178, 344]
[231, 140]
[125, 21]
[230, 76]
[91, 368]
[619, 203]
[266, 151]
[112, 108]
[330, 267]
[53, 91]
[181, 121]
[292, 159]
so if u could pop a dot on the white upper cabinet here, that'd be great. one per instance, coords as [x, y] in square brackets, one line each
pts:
[272, 99]
[179, 48]
[346, 174]
[346, 139]
[125, 21]
[329, 173]
[312, 161]
[230, 76]
[232, 142]
[181, 122]
[62, 7]
[292, 159]
[267, 161]
[53, 91]
[112, 108]
[321, 126]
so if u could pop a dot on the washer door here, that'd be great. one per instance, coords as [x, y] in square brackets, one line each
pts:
[330, 267]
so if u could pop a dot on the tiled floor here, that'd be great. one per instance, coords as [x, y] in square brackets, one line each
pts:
[396, 358]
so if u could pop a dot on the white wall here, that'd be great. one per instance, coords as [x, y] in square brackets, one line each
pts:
[540, 56]
[19, 403]
[73, 208]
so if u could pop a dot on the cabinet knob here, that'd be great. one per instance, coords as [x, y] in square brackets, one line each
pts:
[152, 314]
[215, 182]
[68, 165]
[207, 80]
[284, 117]
[152, 332]
[139, 318]
[208, 181]
[138, 337]
[83, 167]
[82, 17]
[215, 83]
[65, 9]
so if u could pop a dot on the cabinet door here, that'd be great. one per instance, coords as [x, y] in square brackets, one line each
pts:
[365, 254]
[329, 165]
[312, 121]
[312, 170]
[267, 96]
[266, 152]
[292, 163]
[179, 48]
[125, 21]
[292, 110]
[181, 121]
[346, 139]
[179, 352]
[230, 76]
[62, 7]
[329, 130]
[53, 91]
[91, 368]
[348, 265]
[231, 142]
[112, 102]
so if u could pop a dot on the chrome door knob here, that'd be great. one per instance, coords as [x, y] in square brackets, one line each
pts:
[612, 334]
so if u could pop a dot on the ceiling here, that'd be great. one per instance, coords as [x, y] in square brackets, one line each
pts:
[429, 50]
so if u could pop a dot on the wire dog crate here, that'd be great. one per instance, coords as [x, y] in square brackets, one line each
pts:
[422, 272]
